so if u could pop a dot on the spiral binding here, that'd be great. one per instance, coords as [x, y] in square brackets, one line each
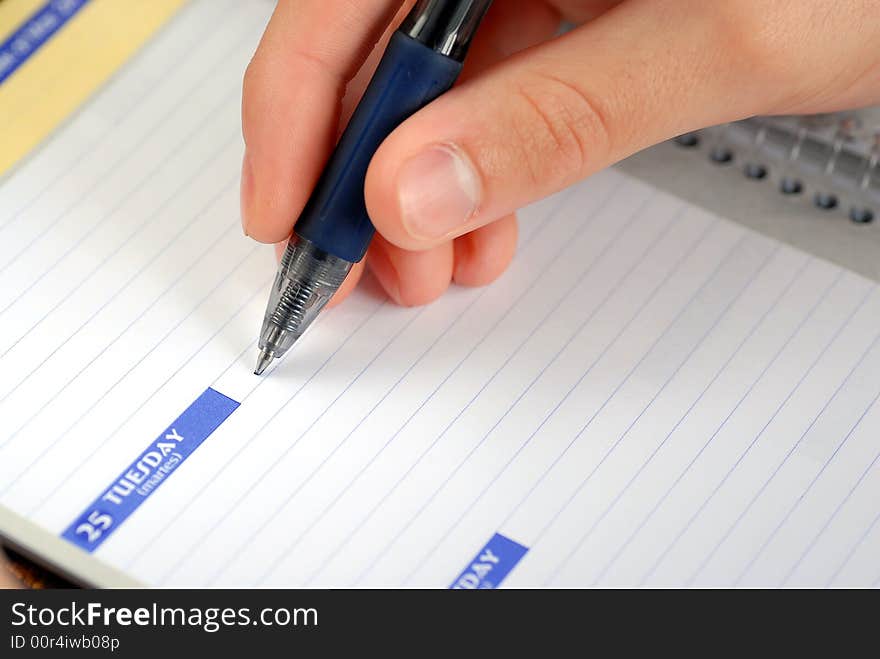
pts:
[833, 159]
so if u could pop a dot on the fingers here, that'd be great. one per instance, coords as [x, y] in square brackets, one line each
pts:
[479, 258]
[483, 254]
[417, 278]
[640, 73]
[275, 184]
[414, 278]
[411, 278]
[290, 108]
[7, 580]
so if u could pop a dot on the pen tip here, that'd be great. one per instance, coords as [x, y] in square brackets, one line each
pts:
[263, 361]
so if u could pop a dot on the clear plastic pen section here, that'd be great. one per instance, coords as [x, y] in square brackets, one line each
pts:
[307, 278]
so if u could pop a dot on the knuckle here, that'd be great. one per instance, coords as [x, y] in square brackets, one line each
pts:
[563, 131]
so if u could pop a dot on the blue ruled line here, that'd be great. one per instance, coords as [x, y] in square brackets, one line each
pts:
[791, 450]
[535, 281]
[588, 423]
[183, 364]
[184, 227]
[577, 333]
[760, 433]
[718, 373]
[711, 438]
[690, 354]
[91, 151]
[156, 214]
[815, 478]
[575, 283]
[231, 461]
[535, 233]
[34, 33]
[855, 547]
[843, 502]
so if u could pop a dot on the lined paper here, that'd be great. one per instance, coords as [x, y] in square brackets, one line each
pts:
[651, 395]
[69, 47]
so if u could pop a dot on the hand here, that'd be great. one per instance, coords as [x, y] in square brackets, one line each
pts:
[7, 579]
[532, 114]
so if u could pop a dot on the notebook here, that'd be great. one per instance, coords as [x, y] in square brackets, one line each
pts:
[833, 160]
[651, 395]
[69, 47]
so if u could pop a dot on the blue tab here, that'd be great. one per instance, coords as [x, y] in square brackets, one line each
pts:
[491, 564]
[35, 31]
[150, 470]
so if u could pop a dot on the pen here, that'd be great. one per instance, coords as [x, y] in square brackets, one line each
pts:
[423, 59]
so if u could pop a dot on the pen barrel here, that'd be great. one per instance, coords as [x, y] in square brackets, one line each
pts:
[409, 76]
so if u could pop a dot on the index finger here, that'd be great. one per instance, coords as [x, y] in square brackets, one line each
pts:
[291, 99]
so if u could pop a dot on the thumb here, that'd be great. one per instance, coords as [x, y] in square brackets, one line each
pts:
[639, 74]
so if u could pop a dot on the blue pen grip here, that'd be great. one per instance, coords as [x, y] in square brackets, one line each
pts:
[410, 76]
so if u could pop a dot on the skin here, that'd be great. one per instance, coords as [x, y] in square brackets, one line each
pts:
[533, 113]
[6, 578]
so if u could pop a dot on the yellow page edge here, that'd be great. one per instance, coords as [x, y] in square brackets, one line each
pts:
[70, 65]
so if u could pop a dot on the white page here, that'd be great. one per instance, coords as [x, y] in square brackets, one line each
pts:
[650, 395]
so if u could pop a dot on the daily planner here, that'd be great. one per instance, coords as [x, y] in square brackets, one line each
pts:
[651, 395]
